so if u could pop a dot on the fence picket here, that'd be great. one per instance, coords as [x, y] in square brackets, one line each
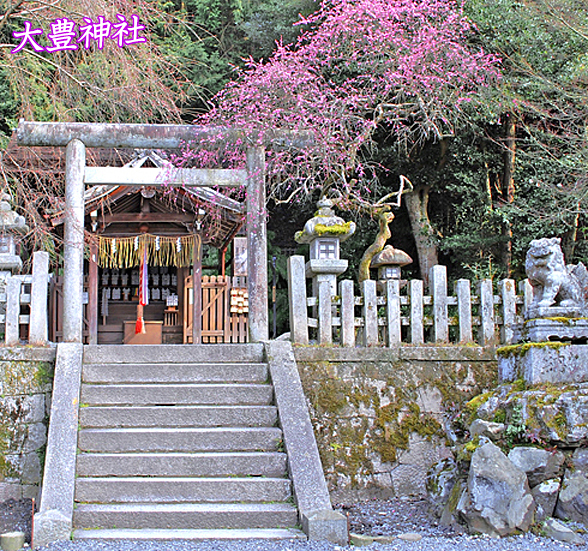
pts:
[325, 312]
[526, 289]
[486, 330]
[12, 326]
[347, 313]
[464, 308]
[509, 310]
[417, 326]
[370, 312]
[393, 332]
[297, 299]
[439, 292]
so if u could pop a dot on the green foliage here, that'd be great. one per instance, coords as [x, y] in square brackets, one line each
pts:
[267, 21]
[280, 268]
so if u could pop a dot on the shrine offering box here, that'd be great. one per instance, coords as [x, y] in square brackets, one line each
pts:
[152, 333]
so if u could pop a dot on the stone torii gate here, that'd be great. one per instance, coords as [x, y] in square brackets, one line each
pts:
[76, 137]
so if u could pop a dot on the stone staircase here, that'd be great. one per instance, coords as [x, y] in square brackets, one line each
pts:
[180, 442]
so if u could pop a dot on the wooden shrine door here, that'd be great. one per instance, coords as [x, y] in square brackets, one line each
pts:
[224, 309]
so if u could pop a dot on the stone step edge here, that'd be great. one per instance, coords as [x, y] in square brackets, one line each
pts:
[282, 506]
[193, 535]
[186, 479]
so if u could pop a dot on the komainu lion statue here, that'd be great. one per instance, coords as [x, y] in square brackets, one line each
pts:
[554, 283]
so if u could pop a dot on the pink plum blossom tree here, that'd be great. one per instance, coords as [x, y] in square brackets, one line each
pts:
[405, 67]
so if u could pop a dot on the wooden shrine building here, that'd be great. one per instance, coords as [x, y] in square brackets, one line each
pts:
[151, 239]
[110, 211]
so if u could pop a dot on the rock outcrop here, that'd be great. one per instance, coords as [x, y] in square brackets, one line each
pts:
[498, 500]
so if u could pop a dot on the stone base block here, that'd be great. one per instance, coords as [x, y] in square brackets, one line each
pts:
[548, 362]
[326, 525]
[50, 526]
[553, 329]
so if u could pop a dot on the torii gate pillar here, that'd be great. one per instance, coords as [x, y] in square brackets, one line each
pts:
[77, 136]
[257, 246]
[73, 256]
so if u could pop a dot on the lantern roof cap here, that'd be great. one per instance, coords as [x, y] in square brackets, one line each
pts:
[390, 256]
[325, 223]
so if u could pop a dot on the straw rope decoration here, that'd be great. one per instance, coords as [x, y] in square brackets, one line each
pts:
[127, 252]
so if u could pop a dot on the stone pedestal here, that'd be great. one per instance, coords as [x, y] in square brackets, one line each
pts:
[547, 362]
[562, 329]
[553, 348]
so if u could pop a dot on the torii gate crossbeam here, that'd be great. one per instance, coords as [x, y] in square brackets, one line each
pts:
[77, 136]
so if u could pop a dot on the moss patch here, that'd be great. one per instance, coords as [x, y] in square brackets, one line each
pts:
[519, 350]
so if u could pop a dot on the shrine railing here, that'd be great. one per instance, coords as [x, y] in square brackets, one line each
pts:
[384, 314]
[23, 305]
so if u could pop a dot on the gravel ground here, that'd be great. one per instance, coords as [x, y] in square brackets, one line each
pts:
[374, 518]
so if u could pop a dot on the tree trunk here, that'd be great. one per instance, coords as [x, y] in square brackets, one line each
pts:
[508, 186]
[570, 238]
[417, 202]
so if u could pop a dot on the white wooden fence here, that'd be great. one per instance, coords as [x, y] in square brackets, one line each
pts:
[391, 316]
[25, 300]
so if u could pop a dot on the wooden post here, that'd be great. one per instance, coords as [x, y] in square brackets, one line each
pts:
[486, 331]
[73, 264]
[325, 313]
[464, 308]
[417, 320]
[394, 323]
[370, 312]
[347, 313]
[439, 292]
[92, 311]
[297, 300]
[257, 246]
[197, 291]
[39, 297]
[12, 324]
[509, 310]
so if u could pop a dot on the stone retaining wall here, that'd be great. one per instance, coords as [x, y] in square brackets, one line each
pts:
[381, 415]
[25, 394]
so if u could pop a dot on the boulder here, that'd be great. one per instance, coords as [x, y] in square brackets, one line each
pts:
[489, 429]
[545, 496]
[572, 503]
[539, 465]
[557, 531]
[498, 500]
[580, 460]
[450, 515]
[439, 483]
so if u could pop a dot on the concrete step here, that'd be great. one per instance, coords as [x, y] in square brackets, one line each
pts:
[178, 416]
[210, 464]
[175, 373]
[178, 353]
[155, 394]
[182, 490]
[180, 439]
[192, 535]
[178, 515]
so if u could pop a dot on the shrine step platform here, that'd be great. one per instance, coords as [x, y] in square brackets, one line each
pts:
[186, 442]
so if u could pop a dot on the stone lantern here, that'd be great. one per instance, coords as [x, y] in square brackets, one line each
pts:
[11, 224]
[324, 232]
[389, 262]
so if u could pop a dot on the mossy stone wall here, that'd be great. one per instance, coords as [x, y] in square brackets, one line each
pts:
[26, 376]
[382, 416]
